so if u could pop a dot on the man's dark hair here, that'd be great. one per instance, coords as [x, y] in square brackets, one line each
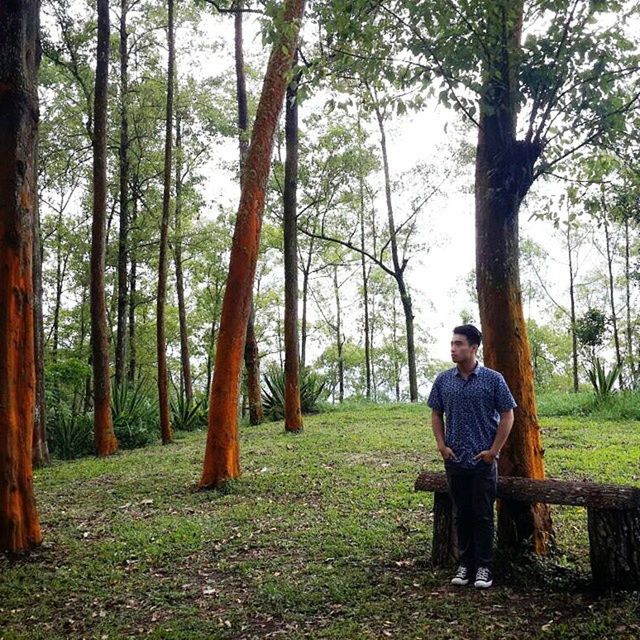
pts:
[472, 334]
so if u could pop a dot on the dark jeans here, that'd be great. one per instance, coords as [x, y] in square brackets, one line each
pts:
[473, 493]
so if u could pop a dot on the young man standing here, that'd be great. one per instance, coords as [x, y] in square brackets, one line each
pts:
[478, 408]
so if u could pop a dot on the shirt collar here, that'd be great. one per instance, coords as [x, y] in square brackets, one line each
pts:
[473, 372]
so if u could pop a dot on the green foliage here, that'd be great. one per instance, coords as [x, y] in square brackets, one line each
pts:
[69, 435]
[188, 415]
[135, 418]
[602, 381]
[312, 392]
[591, 327]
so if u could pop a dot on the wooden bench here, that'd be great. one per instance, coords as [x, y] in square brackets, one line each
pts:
[613, 517]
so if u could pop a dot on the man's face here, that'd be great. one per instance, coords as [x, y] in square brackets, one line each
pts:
[461, 350]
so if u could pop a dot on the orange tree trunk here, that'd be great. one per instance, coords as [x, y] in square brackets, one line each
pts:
[105, 439]
[221, 461]
[292, 409]
[503, 176]
[19, 527]
[251, 352]
[161, 340]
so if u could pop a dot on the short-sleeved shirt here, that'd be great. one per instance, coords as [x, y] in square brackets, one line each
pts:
[472, 409]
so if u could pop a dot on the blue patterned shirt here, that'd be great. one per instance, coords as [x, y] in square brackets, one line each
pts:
[472, 409]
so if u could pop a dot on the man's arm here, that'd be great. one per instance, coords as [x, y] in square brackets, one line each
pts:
[437, 424]
[504, 428]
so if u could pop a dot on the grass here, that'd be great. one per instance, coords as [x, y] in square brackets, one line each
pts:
[621, 405]
[322, 537]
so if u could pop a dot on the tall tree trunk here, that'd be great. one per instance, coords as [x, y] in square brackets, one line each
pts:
[185, 357]
[396, 351]
[398, 268]
[222, 461]
[19, 52]
[306, 272]
[61, 271]
[627, 278]
[572, 297]
[123, 232]
[365, 298]
[612, 301]
[161, 340]
[252, 365]
[133, 283]
[251, 351]
[339, 338]
[105, 439]
[292, 408]
[40, 453]
[504, 169]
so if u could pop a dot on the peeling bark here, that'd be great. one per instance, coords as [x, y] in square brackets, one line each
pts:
[504, 170]
[19, 52]
[251, 351]
[221, 461]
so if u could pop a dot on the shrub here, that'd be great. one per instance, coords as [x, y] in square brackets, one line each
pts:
[601, 380]
[69, 435]
[135, 419]
[312, 392]
[188, 416]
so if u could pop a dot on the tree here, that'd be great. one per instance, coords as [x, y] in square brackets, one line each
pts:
[535, 103]
[292, 409]
[124, 199]
[163, 378]
[222, 454]
[251, 352]
[19, 60]
[105, 440]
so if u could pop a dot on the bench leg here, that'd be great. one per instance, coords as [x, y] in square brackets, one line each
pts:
[614, 540]
[444, 551]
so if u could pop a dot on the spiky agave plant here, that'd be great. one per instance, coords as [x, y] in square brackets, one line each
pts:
[603, 381]
[312, 392]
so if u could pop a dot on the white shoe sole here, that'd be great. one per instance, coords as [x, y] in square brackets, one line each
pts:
[481, 584]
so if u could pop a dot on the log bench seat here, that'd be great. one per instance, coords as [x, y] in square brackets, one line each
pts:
[613, 521]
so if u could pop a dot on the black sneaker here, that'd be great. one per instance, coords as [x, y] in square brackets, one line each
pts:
[462, 576]
[484, 578]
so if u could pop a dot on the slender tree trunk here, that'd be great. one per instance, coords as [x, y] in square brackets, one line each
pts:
[365, 285]
[396, 351]
[292, 409]
[612, 301]
[252, 365]
[338, 330]
[40, 454]
[133, 283]
[185, 357]
[251, 351]
[123, 233]
[504, 170]
[161, 340]
[367, 346]
[398, 268]
[105, 440]
[61, 271]
[222, 454]
[572, 297]
[19, 52]
[306, 272]
[627, 278]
